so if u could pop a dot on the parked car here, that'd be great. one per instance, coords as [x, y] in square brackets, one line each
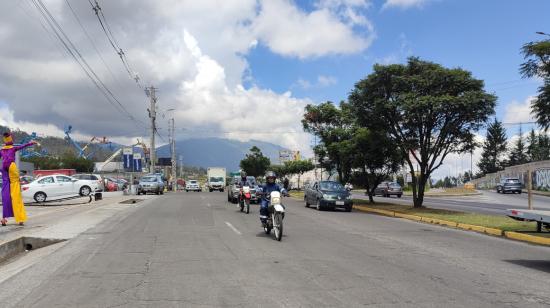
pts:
[235, 189]
[387, 189]
[25, 179]
[193, 185]
[122, 184]
[328, 195]
[512, 185]
[91, 177]
[57, 187]
[111, 184]
[151, 184]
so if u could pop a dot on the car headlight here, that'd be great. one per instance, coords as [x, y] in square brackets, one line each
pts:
[348, 197]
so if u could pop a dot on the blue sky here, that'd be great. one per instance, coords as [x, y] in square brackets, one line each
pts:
[483, 37]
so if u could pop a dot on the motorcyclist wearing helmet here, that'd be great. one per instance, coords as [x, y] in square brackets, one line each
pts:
[269, 187]
[242, 183]
[244, 180]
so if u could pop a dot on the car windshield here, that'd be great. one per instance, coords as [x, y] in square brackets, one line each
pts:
[332, 186]
[251, 180]
[149, 179]
[192, 182]
[512, 181]
[395, 185]
[216, 179]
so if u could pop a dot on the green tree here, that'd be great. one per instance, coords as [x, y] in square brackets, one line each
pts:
[533, 146]
[255, 163]
[299, 167]
[543, 147]
[374, 157]
[518, 155]
[280, 170]
[429, 111]
[537, 64]
[80, 164]
[494, 148]
[333, 126]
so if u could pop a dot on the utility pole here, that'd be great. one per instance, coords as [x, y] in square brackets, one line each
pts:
[181, 165]
[173, 150]
[153, 116]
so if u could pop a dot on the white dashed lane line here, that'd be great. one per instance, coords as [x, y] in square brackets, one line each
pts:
[233, 228]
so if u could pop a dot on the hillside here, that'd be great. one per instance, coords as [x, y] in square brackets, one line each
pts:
[199, 152]
[208, 152]
[56, 146]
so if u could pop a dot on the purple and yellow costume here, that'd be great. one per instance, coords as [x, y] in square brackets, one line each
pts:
[12, 201]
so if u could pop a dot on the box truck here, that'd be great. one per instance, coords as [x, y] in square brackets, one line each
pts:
[215, 178]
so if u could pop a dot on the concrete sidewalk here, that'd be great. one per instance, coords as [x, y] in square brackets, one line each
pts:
[65, 219]
[62, 221]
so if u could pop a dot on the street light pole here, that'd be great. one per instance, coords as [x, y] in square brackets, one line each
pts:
[542, 33]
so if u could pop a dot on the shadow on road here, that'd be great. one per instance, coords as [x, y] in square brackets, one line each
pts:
[540, 265]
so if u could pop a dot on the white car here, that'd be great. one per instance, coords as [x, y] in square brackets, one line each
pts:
[57, 186]
[192, 185]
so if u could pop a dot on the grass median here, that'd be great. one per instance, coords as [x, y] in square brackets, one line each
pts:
[296, 194]
[490, 221]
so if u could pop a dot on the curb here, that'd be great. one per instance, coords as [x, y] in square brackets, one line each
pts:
[527, 238]
[479, 229]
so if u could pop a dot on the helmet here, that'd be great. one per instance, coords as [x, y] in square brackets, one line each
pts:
[270, 175]
[243, 174]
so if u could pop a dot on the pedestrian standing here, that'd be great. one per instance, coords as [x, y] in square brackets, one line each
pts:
[286, 183]
[12, 201]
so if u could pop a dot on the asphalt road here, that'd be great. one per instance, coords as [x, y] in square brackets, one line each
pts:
[488, 202]
[196, 250]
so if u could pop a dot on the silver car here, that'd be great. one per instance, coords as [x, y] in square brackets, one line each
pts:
[151, 184]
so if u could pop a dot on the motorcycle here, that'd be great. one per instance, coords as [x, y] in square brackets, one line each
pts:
[276, 215]
[244, 199]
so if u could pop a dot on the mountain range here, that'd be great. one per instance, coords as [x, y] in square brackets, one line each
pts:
[218, 152]
[196, 152]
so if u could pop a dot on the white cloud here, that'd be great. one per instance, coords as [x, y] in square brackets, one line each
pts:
[322, 81]
[290, 31]
[404, 4]
[199, 70]
[519, 111]
[325, 81]
[455, 164]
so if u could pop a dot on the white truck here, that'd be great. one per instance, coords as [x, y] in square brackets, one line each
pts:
[215, 178]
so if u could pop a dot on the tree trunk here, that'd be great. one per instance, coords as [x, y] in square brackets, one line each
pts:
[299, 175]
[371, 195]
[419, 198]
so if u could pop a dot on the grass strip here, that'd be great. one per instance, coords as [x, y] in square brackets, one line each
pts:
[489, 221]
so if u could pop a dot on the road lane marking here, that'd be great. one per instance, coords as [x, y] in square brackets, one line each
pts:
[233, 228]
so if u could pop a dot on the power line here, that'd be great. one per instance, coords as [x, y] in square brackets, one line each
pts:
[77, 56]
[91, 40]
[112, 40]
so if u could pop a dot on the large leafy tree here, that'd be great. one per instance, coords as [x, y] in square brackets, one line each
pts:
[429, 111]
[537, 64]
[494, 149]
[255, 163]
[518, 154]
